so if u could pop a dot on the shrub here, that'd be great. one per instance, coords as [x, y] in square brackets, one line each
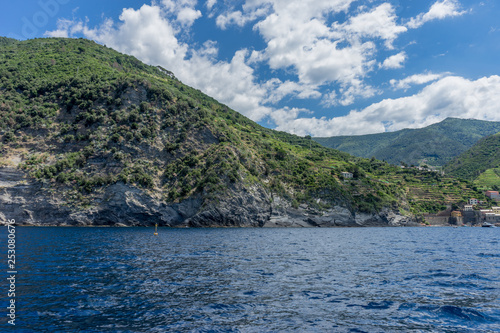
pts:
[9, 137]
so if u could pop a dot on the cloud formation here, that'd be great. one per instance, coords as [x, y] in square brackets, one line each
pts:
[407, 82]
[450, 96]
[311, 55]
[395, 61]
[380, 22]
[438, 11]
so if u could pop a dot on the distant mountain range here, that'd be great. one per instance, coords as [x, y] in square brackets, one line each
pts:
[433, 145]
[480, 164]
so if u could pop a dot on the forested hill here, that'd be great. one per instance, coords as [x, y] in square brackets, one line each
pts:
[92, 136]
[483, 157]
[433, 145]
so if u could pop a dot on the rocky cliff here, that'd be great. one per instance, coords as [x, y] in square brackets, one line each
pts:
[33, 203]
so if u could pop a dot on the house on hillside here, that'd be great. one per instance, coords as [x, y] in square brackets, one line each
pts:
[492, 194]
[456, 213]
[347, 175]
[468, 208]
[473, 201]
[492, 218]
[483, 212]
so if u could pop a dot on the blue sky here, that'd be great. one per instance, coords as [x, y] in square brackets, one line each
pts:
[319, 67]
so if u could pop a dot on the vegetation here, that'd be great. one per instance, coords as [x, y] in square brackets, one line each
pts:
[83, 117]
[480, 164]
[434, 145]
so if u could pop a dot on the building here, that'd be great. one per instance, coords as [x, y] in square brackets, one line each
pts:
[483, 212]
[492, 217]
[496, 210]
[473, 201]
[347, 175]
[492, 194]
[456, 213]
[468, 208]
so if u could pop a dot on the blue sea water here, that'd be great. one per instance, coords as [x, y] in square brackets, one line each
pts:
[255, 280]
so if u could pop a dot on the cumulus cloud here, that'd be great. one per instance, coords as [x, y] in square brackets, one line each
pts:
[286, 117]
[418, 79]
[184, 10]
[210, 4]
[278, 90]
[450, 96]
[395, 61]
[144, 33]
[237, 17]
[439, 10]
[187, 16]
[66, 28]
[299, 39]
[377, 23]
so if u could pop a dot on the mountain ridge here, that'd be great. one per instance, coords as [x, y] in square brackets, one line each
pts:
[434, 145]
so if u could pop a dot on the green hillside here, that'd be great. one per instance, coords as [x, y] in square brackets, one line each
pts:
[480, 164]
[433, 145]
[489, 179]
[79, 118]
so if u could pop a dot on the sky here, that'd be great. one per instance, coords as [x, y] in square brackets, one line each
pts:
[308, 67]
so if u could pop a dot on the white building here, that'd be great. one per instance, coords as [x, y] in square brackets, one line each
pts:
[468, 208]
[473, 201]
[347, 175]
[492, 217]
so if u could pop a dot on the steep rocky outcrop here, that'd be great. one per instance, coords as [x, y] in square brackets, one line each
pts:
[31, 202]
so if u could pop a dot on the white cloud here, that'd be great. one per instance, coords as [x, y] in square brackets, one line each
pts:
[285, 118]
[232, 83]
[407, 82]
[63, 27]
[356, 89]
[395, 61]
[66, 28]
[144, 33]
[311, 49]
[183, 10]
[210, 4]
[300, 40]
[449, 97]
[240, 19]
[187, 16]
[232, 18]
[438, 11]
[278, 90]
[377, 23]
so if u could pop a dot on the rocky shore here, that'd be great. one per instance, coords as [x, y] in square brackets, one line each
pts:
[34, 203]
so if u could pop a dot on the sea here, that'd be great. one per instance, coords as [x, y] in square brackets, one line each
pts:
[427, 279]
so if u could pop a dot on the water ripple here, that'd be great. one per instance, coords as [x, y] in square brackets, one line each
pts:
[259, 280]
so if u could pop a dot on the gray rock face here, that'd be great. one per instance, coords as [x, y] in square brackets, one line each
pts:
[30, 202]
[283, 215]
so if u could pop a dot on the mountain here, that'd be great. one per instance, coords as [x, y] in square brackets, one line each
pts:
[89, 136]
[434, 145]
[481, 163]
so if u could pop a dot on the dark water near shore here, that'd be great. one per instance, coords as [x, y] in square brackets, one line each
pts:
[256, 280]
